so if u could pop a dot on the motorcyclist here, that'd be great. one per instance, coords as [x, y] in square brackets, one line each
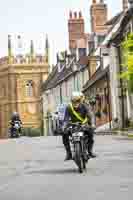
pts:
[15, 117]
[74, 112]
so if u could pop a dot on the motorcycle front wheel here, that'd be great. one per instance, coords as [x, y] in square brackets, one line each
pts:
[79, 158]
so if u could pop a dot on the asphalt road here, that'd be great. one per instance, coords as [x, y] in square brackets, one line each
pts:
[33, 169]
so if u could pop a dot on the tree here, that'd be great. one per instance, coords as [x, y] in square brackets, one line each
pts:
[127, 73]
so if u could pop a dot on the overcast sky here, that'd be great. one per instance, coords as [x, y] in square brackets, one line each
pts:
[33, 19]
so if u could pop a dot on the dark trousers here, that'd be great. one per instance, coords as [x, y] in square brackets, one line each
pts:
[12, 129]
[89, 133]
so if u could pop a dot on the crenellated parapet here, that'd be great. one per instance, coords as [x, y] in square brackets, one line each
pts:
[25, 60]
[31, 58]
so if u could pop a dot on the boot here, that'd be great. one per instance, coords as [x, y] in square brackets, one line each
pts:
[68, 153]
[68, 156]
[90, 154]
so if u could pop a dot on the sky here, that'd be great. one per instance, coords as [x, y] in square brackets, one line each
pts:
[33, 19]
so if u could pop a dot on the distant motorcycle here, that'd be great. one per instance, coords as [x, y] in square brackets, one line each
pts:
[79, 145]
[15, 131]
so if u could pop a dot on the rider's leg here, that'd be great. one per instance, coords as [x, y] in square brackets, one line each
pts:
[90, 134]
[66, 143]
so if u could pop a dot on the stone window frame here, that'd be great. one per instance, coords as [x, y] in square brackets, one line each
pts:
[30, 88]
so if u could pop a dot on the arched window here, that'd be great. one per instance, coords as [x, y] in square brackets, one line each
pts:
[29, 88]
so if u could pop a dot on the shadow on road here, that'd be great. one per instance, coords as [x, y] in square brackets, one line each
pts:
[124, 138]
[54, 171]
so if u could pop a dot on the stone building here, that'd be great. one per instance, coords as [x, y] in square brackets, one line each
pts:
[21, 77]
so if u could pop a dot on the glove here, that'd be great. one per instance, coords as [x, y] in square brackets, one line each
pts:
[93, 126]
[64, 127]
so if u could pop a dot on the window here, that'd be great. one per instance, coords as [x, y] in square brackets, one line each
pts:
[100, 38]
[29, 88]
[82, 52]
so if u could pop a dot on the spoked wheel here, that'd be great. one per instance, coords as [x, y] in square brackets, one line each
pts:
[79, 158]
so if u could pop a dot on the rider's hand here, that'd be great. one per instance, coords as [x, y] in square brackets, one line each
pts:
[64, 127]
[93, 126]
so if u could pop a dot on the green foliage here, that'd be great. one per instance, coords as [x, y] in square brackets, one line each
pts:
[31, 132]
[127, 63]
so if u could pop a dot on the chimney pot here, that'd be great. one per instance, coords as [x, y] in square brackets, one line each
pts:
[75, 14]
[70, 14]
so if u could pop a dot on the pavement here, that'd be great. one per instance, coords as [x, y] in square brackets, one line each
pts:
[126, 133]
[33, 169]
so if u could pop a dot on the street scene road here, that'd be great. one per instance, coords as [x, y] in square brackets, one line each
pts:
[34, 169]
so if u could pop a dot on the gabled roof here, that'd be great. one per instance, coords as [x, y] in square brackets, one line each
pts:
[118, 36]
[99, 74]
[114, 19]
[50, 79]
[113, 30]
[56, 77]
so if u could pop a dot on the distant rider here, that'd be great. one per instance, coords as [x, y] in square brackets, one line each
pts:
[15, 117]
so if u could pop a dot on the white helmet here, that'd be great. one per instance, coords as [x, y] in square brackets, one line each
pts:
[76, 96]
[15, 114]
[81, 94]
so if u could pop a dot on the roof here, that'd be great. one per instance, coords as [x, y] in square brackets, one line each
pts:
[99, 74]
[113, 30]
[83, 60]
[56, 77]
[50, 78]
[118, 36]
[114, 19]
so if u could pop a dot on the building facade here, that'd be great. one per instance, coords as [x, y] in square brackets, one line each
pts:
[105, 85]
[58, 88]
[20, 91]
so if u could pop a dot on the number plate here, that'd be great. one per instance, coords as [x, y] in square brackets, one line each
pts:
[78, 134]
[76, 138]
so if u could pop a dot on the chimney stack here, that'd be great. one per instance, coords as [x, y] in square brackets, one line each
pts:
[125, 5]
[99, 15]
[76, 28]
[94, 1]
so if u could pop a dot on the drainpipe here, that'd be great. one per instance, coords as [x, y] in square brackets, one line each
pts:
[108, 87]
[61, 98]
[121, 86]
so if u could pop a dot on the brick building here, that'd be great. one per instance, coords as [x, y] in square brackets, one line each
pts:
[76, 31]
[99, 14]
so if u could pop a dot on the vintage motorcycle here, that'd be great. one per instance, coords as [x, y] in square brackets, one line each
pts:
[15, 130]
[79, 142]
